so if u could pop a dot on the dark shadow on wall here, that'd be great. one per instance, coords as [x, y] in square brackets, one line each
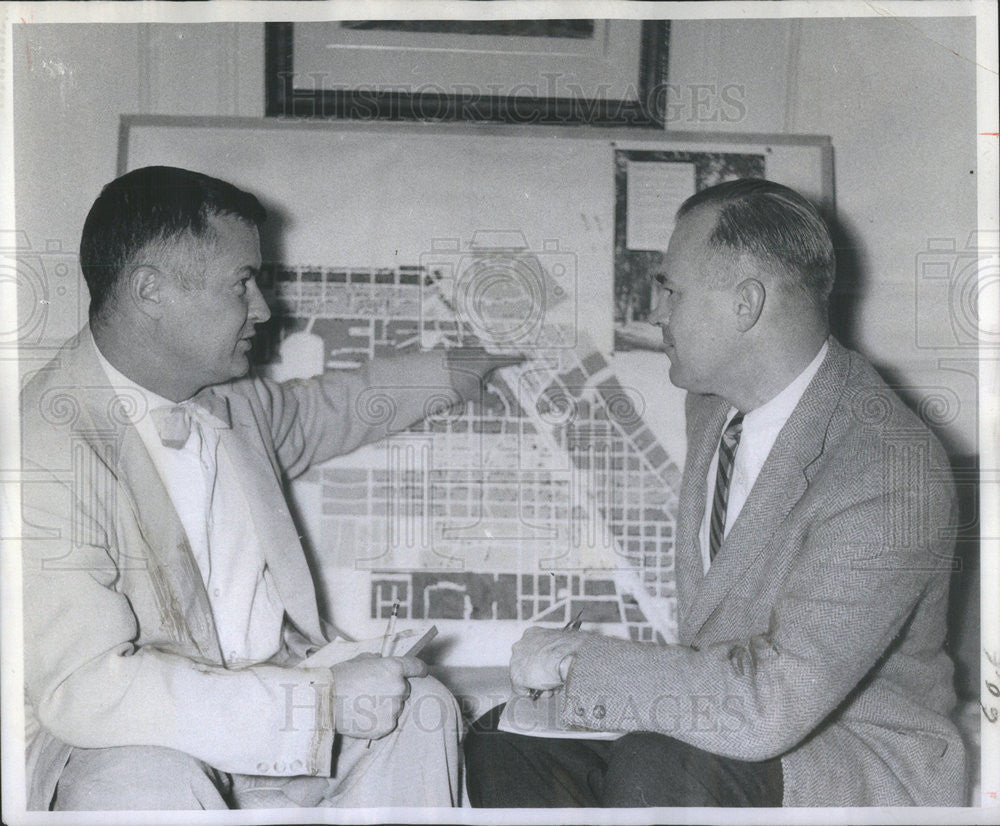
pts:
[964, 617]
[964, 614]
[963, 632]
[848, 289]
[272, 248]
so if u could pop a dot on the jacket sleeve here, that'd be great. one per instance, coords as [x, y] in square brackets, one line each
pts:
[91, 686]
[312, 420]
[861, 569]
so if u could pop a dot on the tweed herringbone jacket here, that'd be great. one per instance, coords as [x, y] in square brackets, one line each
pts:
[817, 634]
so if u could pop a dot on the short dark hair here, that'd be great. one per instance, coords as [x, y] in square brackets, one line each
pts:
[776, 226]
[148, 206]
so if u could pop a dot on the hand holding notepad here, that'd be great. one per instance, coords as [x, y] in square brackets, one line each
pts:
[539, 659]
[537, 666]
[369, 690]
[573, 625]
[407, 643]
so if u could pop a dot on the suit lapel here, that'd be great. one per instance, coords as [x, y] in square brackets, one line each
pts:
[268, 510]
[783, 480]
[173, 573]
[703, 435]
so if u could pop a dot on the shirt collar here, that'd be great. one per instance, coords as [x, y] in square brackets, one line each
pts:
[775, 412]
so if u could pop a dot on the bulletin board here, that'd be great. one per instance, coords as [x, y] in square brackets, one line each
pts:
[556, 492]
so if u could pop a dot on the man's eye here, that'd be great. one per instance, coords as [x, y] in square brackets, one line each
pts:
[241, 286]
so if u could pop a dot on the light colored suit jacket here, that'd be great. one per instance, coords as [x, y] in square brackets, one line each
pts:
[817, 634]
[120, 645]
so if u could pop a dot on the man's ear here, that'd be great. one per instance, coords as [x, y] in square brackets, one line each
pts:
[145, 290]
[749, 303]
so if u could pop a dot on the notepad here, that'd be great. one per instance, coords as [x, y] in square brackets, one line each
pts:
[406, 643]
[541, 718]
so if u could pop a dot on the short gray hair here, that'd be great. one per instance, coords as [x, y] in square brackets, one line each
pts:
[776, 226]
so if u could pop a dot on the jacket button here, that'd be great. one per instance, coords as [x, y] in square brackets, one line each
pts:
[599, 712]
[296, 765]
[279, 767]
[578, 711]
[262, 767]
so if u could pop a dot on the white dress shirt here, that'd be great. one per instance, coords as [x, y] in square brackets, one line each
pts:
[208, 495]
[761, 427]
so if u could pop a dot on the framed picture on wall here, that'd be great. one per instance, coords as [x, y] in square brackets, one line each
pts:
[545, 72]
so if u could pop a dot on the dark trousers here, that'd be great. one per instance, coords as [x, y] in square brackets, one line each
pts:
[639, 769]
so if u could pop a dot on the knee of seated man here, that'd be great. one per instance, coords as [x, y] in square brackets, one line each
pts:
[646, 745]
[137, 777]
[430, 707]
[490, 752]
[646, 753]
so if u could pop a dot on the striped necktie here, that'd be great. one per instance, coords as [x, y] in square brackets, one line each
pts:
[727, 453]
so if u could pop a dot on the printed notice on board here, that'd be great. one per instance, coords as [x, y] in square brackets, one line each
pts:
[655, 191]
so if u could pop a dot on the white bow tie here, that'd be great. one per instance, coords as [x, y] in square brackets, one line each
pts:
[173, 422]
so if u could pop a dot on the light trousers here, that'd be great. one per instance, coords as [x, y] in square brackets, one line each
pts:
[415, 765]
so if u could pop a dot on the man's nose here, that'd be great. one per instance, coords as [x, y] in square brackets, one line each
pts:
[259, 311]
[659, 313]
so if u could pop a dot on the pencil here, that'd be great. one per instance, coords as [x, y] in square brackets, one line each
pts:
[573, 625]
[390, 629]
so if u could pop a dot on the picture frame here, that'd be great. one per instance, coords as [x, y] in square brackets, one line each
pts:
[613, 73]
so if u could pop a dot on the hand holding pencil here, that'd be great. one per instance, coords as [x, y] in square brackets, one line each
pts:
[537, 656]
[390, 631]
[368, 686]
[573, 625]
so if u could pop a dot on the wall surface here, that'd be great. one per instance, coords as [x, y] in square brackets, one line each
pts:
[72, 83]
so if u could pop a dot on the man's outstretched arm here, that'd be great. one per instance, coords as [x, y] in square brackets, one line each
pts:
[312, 420]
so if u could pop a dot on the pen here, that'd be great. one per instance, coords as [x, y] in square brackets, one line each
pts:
[573, 625]
[390, 629]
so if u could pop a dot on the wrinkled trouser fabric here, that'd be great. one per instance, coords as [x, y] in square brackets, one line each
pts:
[506, 770]
[415, 765]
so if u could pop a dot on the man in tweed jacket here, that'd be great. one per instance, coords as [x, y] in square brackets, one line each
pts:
[810, 667]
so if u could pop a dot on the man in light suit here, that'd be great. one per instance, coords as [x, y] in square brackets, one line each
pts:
[812, 557]
[167, 599]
